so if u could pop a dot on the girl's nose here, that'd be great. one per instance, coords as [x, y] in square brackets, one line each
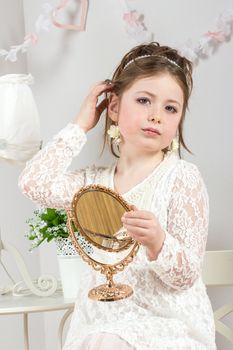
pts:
[154, 118]
[154, 113]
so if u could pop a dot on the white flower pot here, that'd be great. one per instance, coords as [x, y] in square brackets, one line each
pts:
[72, 269]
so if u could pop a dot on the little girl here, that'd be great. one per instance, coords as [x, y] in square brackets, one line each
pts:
[146, 102]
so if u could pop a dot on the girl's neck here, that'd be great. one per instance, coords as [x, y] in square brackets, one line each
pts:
[132, 169]
[133, 161]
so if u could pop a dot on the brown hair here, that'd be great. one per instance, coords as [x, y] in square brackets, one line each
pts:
[156, 61]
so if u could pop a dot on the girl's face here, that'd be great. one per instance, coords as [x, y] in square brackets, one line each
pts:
[149, 112]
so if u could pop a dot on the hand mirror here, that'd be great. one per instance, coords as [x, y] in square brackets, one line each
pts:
[96, 213]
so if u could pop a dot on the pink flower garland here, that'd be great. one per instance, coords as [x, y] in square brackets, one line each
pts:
[42, 24]
[134, 24]
[211, 39]
[136, 29]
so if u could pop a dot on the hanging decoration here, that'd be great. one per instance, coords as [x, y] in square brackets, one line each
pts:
[19, 119]
[43, 23]
[210, 40]
[83, 16]
[134, 26]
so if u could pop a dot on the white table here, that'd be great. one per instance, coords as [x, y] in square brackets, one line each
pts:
[10, 305]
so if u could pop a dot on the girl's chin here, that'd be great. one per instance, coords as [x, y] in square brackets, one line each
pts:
[147, 149]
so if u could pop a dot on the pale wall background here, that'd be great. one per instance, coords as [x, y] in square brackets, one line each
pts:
[65, 65]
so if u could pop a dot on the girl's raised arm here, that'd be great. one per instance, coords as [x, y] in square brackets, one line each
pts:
[45, 178]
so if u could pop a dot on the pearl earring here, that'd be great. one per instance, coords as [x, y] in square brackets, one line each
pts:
[114, 133]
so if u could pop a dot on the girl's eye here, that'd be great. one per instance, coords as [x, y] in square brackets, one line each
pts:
[171, 109]
[143, 100]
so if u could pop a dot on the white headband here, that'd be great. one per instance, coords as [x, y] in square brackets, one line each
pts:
[144, 56]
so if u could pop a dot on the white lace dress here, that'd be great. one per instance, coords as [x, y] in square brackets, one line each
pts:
[169, 308]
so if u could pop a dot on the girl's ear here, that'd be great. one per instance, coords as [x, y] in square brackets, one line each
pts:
[113, 107]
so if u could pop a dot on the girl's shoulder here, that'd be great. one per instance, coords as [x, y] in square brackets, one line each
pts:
[188, 172]
[177, 167]
[185, 166]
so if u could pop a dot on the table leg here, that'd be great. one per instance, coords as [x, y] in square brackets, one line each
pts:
[61, 327]
[25, 328]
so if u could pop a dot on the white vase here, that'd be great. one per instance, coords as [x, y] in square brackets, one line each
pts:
[72, 267]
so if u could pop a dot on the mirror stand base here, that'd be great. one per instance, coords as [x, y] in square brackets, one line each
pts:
[113, 293]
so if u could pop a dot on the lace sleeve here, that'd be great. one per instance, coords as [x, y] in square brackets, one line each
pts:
[179, 262]
[45, 179]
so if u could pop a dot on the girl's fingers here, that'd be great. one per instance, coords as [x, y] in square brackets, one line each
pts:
[139, 231]
[140, 214]
[102, 106]
[91, 109]
[135, 222]
[97, 92]
[100, 87]
[97, 89]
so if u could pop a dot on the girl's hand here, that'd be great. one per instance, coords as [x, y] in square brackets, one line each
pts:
[90, 112]
[143, 227]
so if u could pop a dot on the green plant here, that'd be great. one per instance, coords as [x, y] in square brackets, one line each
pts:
[48, 224]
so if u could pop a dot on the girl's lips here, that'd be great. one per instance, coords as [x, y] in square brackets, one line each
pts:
[151, 131]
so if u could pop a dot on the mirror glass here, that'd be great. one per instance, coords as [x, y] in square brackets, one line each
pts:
[98, 217]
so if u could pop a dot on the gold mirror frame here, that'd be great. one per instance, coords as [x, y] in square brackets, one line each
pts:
[108, 291]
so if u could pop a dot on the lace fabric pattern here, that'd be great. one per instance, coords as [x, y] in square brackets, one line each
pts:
[169, 308]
